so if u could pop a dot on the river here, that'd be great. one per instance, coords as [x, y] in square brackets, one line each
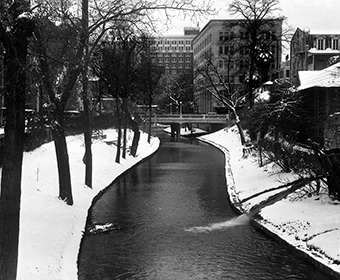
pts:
[170, 217]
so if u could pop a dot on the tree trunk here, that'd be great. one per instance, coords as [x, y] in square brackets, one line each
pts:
[65, 188]
[88, 143]
[119, 127]
[87, 115]
[15, 81]
[150, 115]
[124, 118]
[239, 127]
[136, 135]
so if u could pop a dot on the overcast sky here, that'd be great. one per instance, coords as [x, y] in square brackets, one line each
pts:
[314, 14]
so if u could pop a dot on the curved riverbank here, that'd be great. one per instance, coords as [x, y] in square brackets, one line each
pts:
[300, 224]
[50, 230]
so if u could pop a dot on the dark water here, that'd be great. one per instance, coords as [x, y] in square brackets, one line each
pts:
[170, 218]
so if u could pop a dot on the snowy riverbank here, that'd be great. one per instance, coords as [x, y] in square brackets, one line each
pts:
[309, 224]
[51, 231]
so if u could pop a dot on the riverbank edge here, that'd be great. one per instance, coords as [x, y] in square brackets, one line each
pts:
[256, 222]
[103, 191]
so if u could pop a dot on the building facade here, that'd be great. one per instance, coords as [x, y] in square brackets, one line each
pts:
[311, 50]
[175, 53]
[226, 42]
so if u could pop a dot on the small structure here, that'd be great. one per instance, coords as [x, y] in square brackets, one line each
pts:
[311, 50]
[320, 91]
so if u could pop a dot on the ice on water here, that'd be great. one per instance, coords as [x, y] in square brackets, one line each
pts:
[237, 221]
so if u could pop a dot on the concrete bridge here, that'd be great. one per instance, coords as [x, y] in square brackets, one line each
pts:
[190, 118]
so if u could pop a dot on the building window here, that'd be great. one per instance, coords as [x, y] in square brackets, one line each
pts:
[320, 44]
[335, 44]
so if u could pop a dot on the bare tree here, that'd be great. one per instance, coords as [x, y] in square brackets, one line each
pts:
[262, 26]
[16, 25]
[217, 82]
[103, 16]
[176, 91]
[117, 63]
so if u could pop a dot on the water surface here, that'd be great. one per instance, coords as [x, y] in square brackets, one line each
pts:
[172, 220]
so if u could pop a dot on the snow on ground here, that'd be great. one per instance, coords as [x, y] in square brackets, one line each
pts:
[50, 230]
[186, 131]
[311, 224]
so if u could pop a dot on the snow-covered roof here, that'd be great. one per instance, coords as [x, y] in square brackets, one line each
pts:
[325, 32]
[328, 77]
[326, 51]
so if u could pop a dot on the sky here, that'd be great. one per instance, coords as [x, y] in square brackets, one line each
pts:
[314, 14]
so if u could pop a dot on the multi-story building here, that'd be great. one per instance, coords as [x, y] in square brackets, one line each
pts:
[284, 71]
[175, 55]
[226, 42]
[311, 50]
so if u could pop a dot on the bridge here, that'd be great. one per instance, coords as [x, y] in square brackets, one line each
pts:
[190, 118]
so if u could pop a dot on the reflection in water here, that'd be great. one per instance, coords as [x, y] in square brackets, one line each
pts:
[172, 220]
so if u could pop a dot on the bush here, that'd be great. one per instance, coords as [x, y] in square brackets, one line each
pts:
[289, 156]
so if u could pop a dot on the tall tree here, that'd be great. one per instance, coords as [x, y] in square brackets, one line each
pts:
[262, 26]
[59, 82]
[16, 25]
[149, 77]
[117, 64]
[217, 82]
[60, 57]
[87, 109]
[175, 91]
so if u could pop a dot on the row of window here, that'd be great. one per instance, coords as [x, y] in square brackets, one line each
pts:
[185, 54]
[174, 42]
[173, 60]
[172, 48]
[204, 43]
[229, 35]
[175, 71]
[231, 50]
[320, 44]
[225, 64]
[179, 65]
[171, 42]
